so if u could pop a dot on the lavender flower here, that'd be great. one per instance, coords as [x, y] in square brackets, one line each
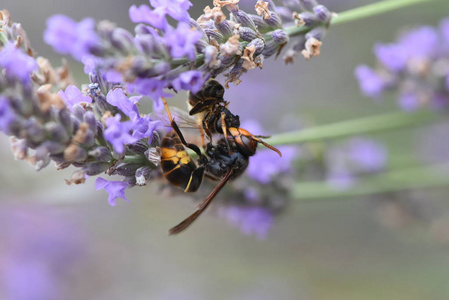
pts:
[98, 128]
[414, 66]
[357, 156]
[17, 65]
[265, 165]
[115, 189]
[7, 115]
[159, 53]
[72, 95]
[251, 220]
[181, 41]
[371, 83]
[68, 37]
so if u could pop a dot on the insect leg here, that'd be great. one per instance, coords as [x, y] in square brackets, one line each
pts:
[178, 131]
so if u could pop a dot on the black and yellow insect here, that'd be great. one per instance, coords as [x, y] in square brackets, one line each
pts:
[178, 166]
[224, 160]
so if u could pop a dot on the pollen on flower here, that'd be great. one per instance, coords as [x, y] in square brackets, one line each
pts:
[262, 9]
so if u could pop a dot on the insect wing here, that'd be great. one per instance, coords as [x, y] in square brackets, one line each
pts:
[203, 205]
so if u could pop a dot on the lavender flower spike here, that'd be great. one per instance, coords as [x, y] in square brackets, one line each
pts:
[413, 66]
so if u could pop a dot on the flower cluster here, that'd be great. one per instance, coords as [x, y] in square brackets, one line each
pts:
[98, 130]
[416, 65]
[159, 56]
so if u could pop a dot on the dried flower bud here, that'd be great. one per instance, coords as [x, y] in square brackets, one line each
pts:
[122, 40]
[142, 175]
[247, 34]
[100, 153]
[225, 28]
[19, 147]
[307, 4]
[154, 155]
[212, 34]
[78, 177]
[75, 153]
[95, 168]
[241, 17]
[231, 47]
[56, 132]
[274, 21]
[124, 169]
[309, 19]
[312, 48]
[323, 14]
[262, 9]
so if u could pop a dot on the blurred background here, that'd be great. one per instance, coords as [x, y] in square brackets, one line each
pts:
[66, 242]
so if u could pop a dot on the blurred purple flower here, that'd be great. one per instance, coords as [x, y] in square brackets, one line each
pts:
[118, 133]
[367, 154]
[115, 189]
[144, 14]
[7, 115]
[177, 9]
[340, 179]
[72, 95]
[181, 41]
[251, 220]
[17, 65]
[420, 43]
[266, 165]
[370, 82]
[69, 37]
[190, 81]
[414, 66]
[392, 56]
[40, 248]
[357, 156]
[408, 101]
[444, 29]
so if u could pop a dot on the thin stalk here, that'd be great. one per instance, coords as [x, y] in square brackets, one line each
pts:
[397, 180]
[373, 9]
[351, 127]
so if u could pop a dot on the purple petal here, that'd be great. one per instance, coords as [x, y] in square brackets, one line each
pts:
[115, 189]
[7, 115]
[370, 83]
[144, 14]
[72, 95]
[392, 56]
[17, 64]
[118, 98]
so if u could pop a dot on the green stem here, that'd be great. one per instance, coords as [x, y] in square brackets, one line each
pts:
[373, 9]
[360, 13]
[398, 180]
[358, 126]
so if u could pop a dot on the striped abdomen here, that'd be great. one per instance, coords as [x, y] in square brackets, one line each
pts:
[177, 166]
